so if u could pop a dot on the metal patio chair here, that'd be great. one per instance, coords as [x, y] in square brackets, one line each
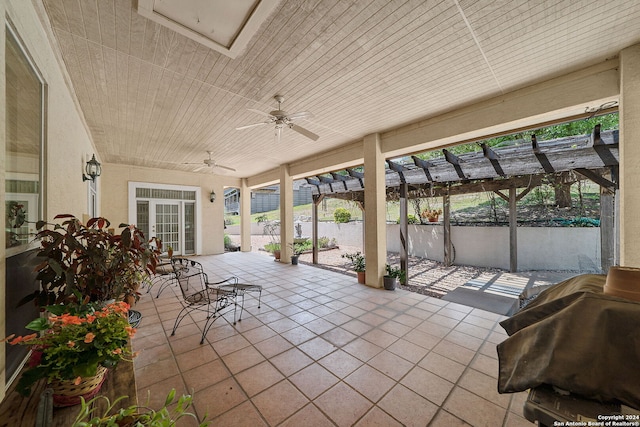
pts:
[199, 294]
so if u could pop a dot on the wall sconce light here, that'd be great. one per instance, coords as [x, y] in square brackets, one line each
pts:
[212, 196]
[93, 169]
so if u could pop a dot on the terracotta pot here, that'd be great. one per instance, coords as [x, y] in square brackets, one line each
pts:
[433, 219]
[623, 282]
[277, 255]
[361, 277]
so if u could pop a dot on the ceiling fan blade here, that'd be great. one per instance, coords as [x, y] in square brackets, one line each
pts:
[278, 134]
[252, 125]
[300, 115]
[304, 132]
[262, 113]
[199, 168]
[225, 167]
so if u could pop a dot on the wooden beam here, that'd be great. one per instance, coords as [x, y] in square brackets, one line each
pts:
[598, 179]
[493, 158]
[455, 161]
[424, 165]
[513, 231]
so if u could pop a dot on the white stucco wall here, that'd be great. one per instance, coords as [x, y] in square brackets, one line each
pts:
[539, 248]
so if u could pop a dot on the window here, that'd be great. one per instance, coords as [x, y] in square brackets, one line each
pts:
[25, 94]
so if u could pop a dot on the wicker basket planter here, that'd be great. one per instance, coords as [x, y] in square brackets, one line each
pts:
[66, 393]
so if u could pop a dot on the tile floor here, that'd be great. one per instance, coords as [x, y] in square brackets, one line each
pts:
[323, 350]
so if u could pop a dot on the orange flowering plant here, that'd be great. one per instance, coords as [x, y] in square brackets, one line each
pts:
[74, 341]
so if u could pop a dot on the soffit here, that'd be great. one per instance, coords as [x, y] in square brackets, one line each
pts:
[153, 97]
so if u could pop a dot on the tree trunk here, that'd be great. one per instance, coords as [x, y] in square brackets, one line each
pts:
[562, 189]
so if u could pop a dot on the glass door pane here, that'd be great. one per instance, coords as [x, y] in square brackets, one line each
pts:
[167, 225]
[189, 228]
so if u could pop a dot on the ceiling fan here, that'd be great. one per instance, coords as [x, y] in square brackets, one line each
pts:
[282, 118]
[209, 163]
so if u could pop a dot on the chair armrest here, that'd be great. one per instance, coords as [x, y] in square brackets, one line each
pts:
[232, 279]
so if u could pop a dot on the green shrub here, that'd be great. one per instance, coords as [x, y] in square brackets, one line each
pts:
[227, 241]
[341, 215]
[411, 219]
[272, 247]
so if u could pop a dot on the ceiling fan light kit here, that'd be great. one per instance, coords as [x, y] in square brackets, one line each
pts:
[281, 118]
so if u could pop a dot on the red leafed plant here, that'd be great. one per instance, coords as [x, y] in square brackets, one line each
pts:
[89, 263]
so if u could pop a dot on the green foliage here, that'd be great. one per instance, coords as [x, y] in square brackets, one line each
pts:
[77, 339]
[90, 262]
[357, 261]
[341, 215]
[262, 218]
[272, 247]
[411, 219]
[135, 415]
[227, 241]
[397, 272]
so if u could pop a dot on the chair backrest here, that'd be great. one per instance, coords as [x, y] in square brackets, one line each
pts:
[191, 278]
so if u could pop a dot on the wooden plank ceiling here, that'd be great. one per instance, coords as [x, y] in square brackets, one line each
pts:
[152, 97]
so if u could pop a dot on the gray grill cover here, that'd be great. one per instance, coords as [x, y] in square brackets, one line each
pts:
[576, 338]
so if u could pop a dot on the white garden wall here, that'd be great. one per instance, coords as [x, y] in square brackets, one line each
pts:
[539, 248]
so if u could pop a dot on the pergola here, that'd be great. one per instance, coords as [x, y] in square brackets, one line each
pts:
[520, 166]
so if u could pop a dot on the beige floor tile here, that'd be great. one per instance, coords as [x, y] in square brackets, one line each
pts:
[442, 366]
[317, 348]
[272, 346]
[484, 386]
[454, 351]
[298, 335]
[283, 325]
[259, 334]
[310, 415]
[408, 320]
[243, 415]
[369, 382]
[377, 418]
[319, 326]
[395, 328]
[206, 375]
[408, 407]
[291, 361]
[445, 419]
[243, 359]
[303, 317]
[357, 327]
[219, 398]
[474, 409]
[343, 404]
[280, 401]
[197, 357]
[313, 380]
[380, 338]
[362, 349]
[514, 420]
[155, 395]
[150, 355]
[408, 350]
[258, 378]
[156, 372]
[428, 385]
[340, 363]
[473, 330]
[390, 364]
[229, 345]
[486, 364]
[339, 337]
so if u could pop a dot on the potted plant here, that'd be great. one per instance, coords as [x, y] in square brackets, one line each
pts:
[358, 264]
[136, 415]
[77, 344]
[431, 214]
[90, 263]
[296, 250]
[394, 274]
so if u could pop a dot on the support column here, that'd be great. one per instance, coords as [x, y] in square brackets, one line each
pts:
[404, 231]
[607, 229]
[446, 227]
[314, 220]
[375, 226]
[245, 217]
[629, 156]
[513, 230]
[286, 214]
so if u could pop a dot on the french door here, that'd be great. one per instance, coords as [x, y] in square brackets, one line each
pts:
[168, 213]
[170, 221]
